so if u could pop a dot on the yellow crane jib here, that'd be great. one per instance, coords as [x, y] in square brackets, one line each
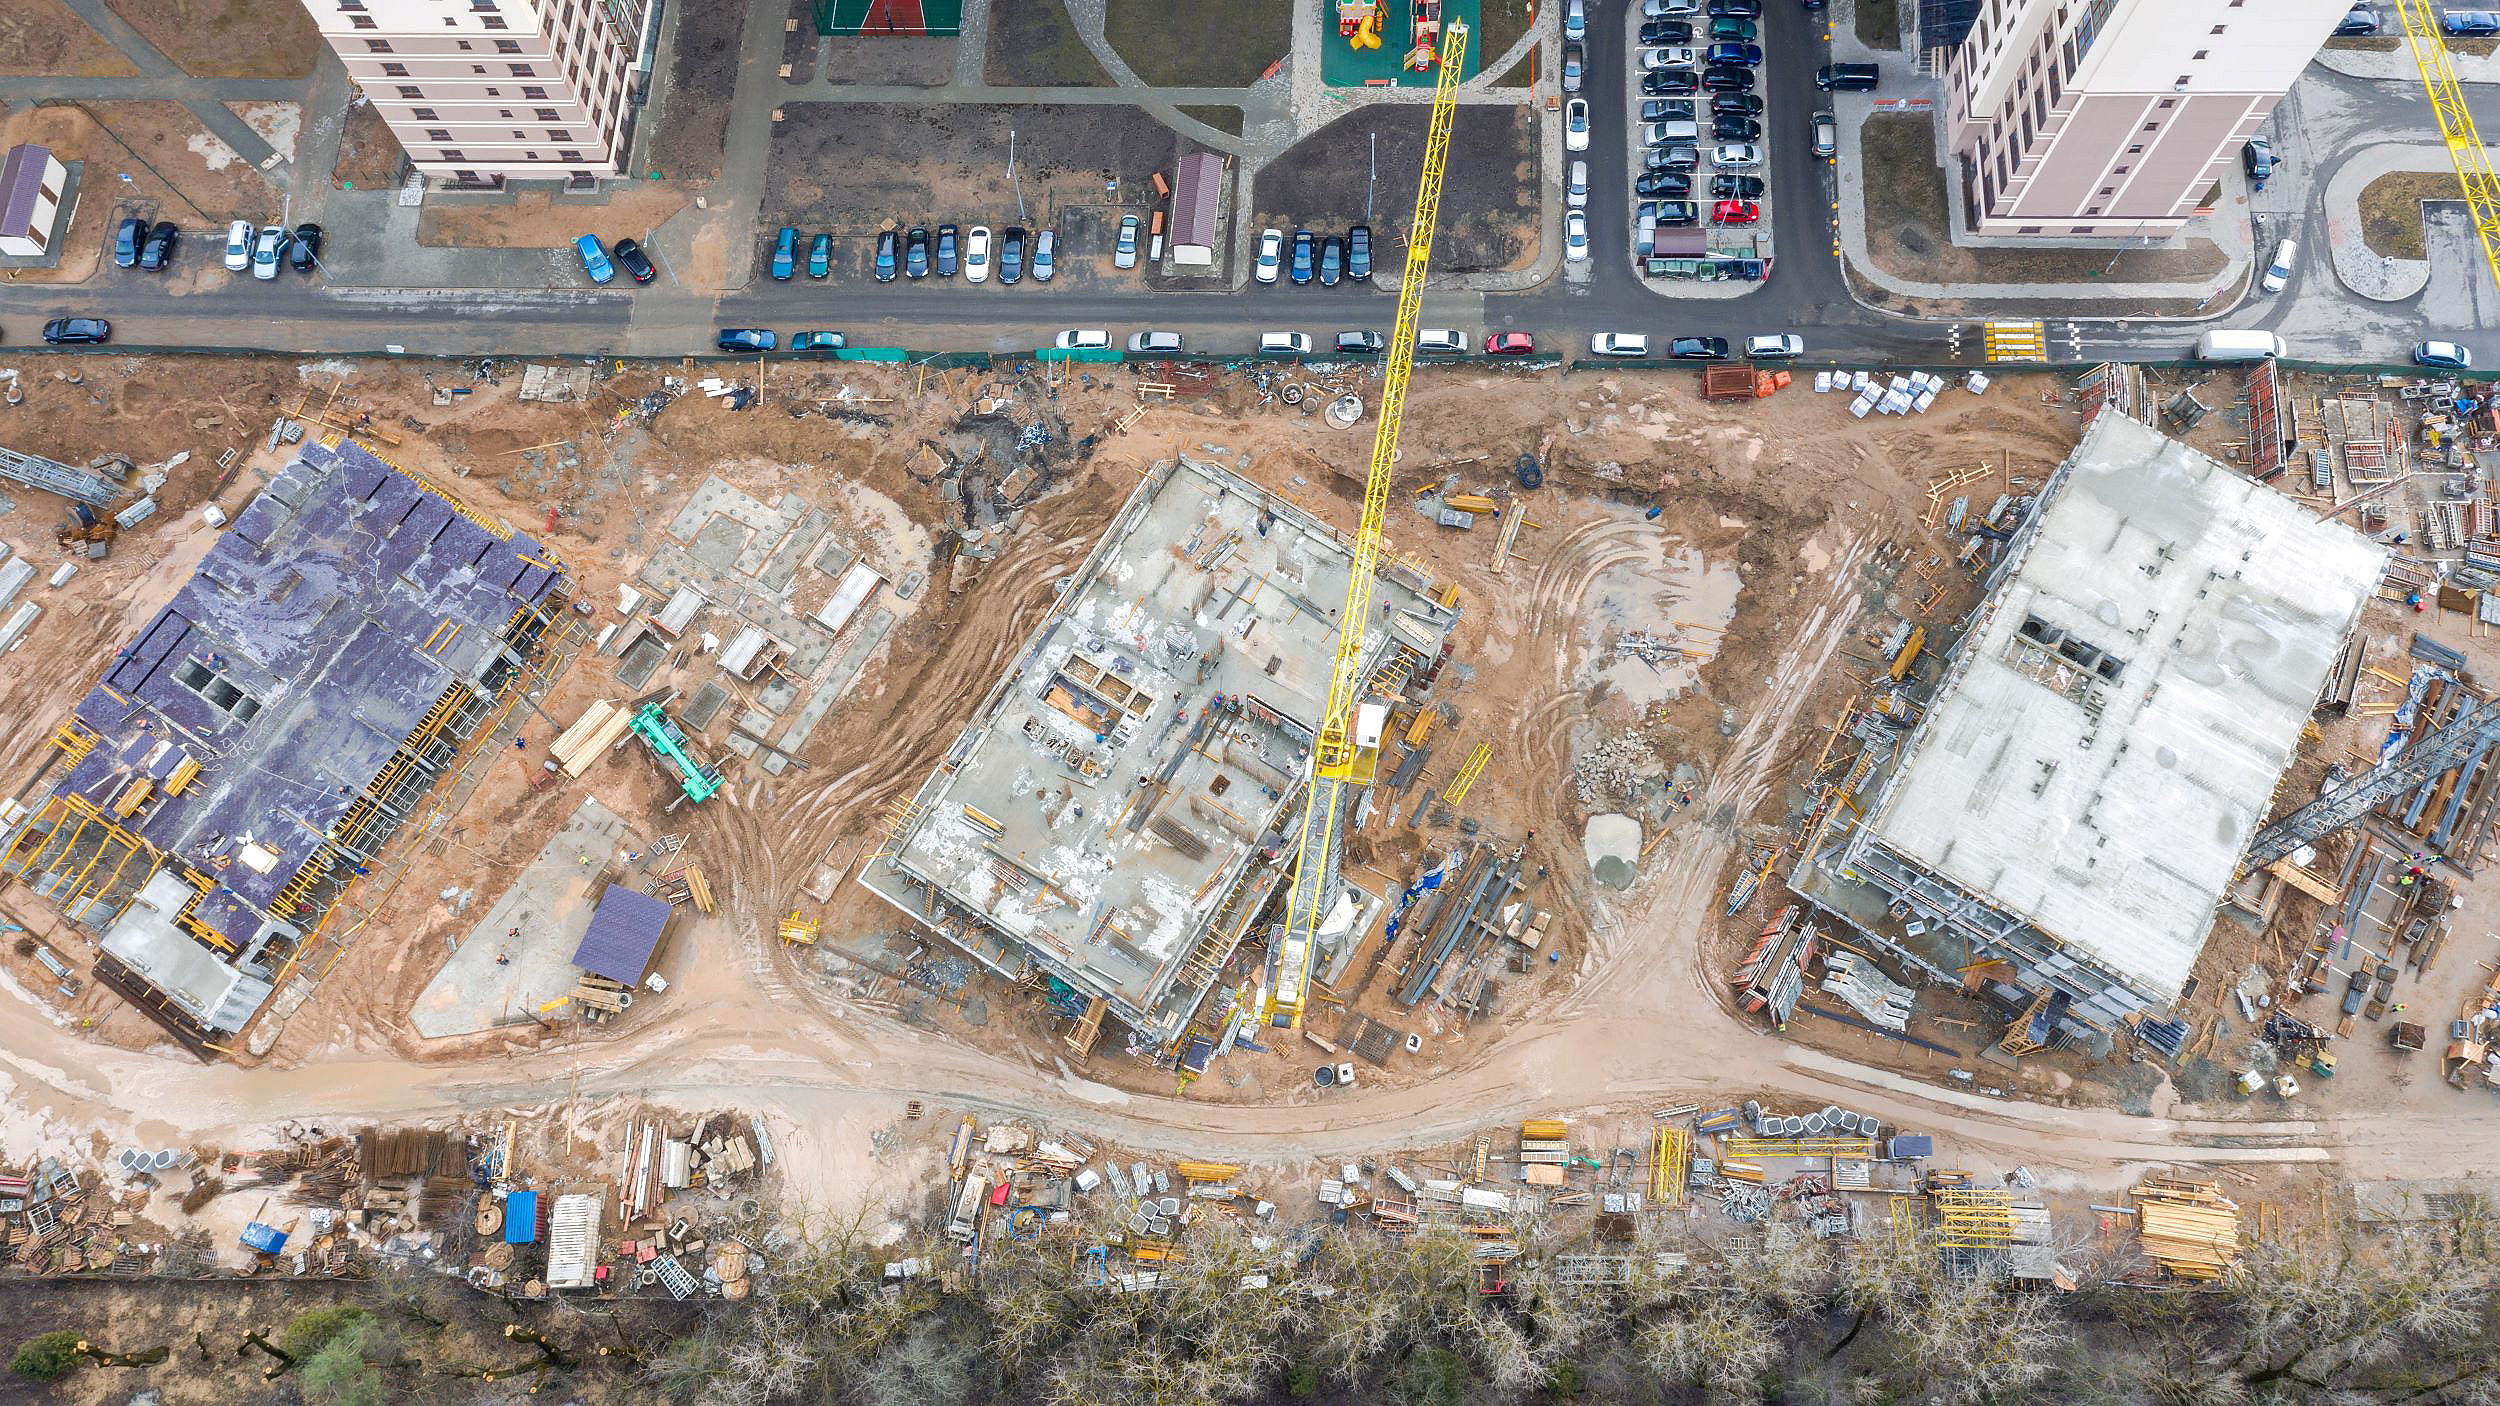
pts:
[2456, 125]
[1348, 748]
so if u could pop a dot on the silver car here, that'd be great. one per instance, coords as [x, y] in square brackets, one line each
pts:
[1124, 250]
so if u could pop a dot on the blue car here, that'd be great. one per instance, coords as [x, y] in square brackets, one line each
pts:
[1302, 256]
[816, 341]
[750, 339]
[2447, 356]
[1358, 253]
[1744, 55]
[785, 253]
[595, 259]
[886, 263]
[126, 240]
[820, 256]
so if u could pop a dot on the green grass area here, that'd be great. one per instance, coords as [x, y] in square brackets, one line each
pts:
[1879, 24]
[1033, 43]
[2391, 210]
[1221, 118]
[1201, 44]
[1910, 234]
[1499, 27]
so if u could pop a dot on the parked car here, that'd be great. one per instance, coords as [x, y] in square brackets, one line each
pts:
[1440, 339]
[2448, 356]
[1619, 344]
[916, 252]
[270, 247]
[1736, 156]
[238, 246]
[817, 342]
[2362, 21]
[1744, 55]
[1846, 78]
[2471, 22]
[2279, 272]
[1735, 105]
[2257, 158]
[1271, 259]
[126, 240]
[1667, 110]
[1728, 80]
[1576, 125]
[1576, 186]
[1576, 236]
[157, 250]
[1731, 187]
[1734, 129]
[1735, 9]
[1575, 19]
[1736, 212]
[1284, 344]
[1124, 248]
[1509, 344]
[977, 254]
[627, 253]
[1651, 185]
[1011, 254]
[1305, 261]
[889, 256]
[1083, 339]
[785, 253]
[750, 339]
[1669, 9]
[594, 259]
[1045, 255]
[1331, 261]
[1698, 349]
[1826, 134]
[949, 251]
[1673, 56]
[1574, 65]
[1733, 31]
[1775, 346]
[1670, 83]
[77, 331]
[1361, 343]
[1668, 133]
[1674, 158]
[1358, 253]
[1164, 343]
[1678, 213]
[1666, 32]
[820, 256]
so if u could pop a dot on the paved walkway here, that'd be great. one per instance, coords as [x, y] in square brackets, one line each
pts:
[2397, 64]
[161, 79]
[2375, 276]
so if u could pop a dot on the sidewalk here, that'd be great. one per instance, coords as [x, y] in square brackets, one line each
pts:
[2375, 276]
[2397, 64]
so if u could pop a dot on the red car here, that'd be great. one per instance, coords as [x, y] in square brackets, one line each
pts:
[1736, 212]
[1509, 344]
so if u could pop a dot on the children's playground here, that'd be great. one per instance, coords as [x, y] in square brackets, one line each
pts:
[1393, 43]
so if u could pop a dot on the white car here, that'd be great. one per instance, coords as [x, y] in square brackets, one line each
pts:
[238, 246]
[1576, 236]
[1677, 57]
[1575, 19]
[977, 254]
[1271, 255]
[1619, 344]
[1124, 248]
[2279, 272]
[1576, 125]
[1083, 339]
[1736, 156]
[1576, 186]
[1775, 346]
[1155, 342]
[1669, 9]
[266, 251]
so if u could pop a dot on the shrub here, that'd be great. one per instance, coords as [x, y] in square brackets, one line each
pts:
[41, 1359]
[310, 1330]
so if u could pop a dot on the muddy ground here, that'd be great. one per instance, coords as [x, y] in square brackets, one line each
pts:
[228, 38]
[1034, 43]
[693, 112]
[42, 36]
[1488, 205]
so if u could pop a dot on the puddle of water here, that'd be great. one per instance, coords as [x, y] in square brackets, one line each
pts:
[1642, 611]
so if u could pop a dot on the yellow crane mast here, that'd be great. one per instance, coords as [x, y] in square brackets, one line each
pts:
[2456, 125]
[1349, 747]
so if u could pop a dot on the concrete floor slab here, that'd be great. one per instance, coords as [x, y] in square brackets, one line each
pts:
[550, 903]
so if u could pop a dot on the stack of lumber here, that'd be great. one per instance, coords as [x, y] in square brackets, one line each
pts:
[2189, 1228]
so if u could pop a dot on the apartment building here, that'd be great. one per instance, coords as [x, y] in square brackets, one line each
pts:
[482, 91]
[2115, 117]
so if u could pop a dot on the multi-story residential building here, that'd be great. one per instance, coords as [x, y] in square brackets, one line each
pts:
[2115, 117]
[481, 91]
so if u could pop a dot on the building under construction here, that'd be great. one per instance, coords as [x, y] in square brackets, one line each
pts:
[2055, 822]
[1115, 817]
[252, 748]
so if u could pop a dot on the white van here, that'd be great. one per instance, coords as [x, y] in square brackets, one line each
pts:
[1669, 133]
[2238, 346]
[2280, 271]
[1284, 344]
[1440, 339]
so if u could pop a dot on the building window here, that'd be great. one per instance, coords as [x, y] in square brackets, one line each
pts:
[2135, 151]
[2164, 105]
[407, 92]
[2219, 28]
[2195, 57]
[2031, 229]
[531, 155]
[549, 114]
[216, 688]
[534, 94]
[2182, 80]
[438, 134]
[421, 114]
[452, 153]
[559, 134]
[478, 69]
[465, 45]
[522, 70]
[394, 70]
[507, 46]
[520, 136]
[568, 155]
[494, 22]
[360, 21]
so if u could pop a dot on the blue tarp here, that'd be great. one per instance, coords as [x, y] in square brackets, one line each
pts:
[520, 1218]
[263, 1239]
[1416, 890]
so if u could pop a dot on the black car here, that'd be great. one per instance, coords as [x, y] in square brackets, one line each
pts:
[1666, 32]
[1698, 349]
[1358, 253]
[1650, 185]
[1735, 9]
[1728, 80]
[1667, 110]
[1011, 254]
[2257, 158]
[1361, 343]
[1681, 157]
[1331, 261]
[1727, 186]
[1670, 83]
[1678, 212]
[627, 255]
[77, 331]
[126, 238]
[1734, 129]
[158, 251]
[916, 252]
[886, 262]
[946, 253]
[1735, 105]
[2361, 21]
[1846, 77]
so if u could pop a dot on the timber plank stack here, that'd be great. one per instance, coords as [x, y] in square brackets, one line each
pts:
[2189, 1228]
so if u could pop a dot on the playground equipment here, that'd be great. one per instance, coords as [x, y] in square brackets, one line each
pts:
[1427, 36]
[1358, 23]
[668, 744]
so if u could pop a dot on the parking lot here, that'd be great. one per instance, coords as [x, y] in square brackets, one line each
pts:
[1696, 178]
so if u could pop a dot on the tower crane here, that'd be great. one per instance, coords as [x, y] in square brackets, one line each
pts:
[2456, 125]
[1348, 748]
